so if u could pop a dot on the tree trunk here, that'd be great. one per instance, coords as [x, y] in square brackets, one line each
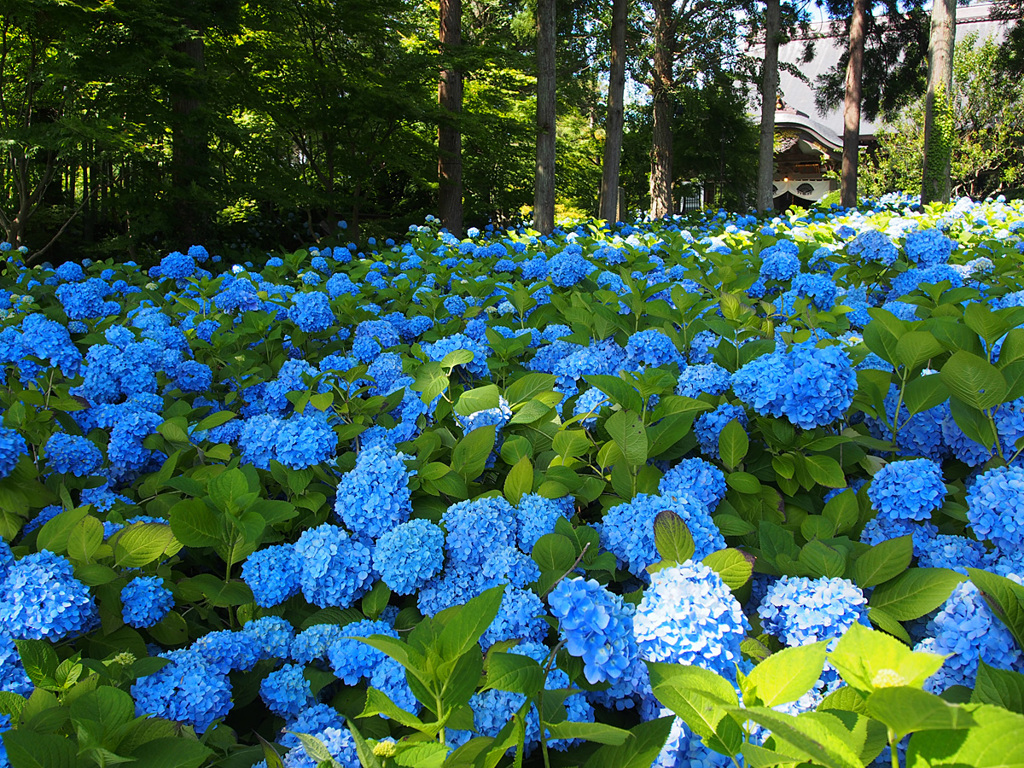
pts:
[189, 146]
[851, 106]
[613, 130]
[544, 188]
[938, 114]
[661, 92]
[449, 136]
[769, 91]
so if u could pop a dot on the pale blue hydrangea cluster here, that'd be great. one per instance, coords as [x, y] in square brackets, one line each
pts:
[272, 574]
[696, 380]
[628, 529]
[312, 312]
[596, 626]
[880, 528]
[780, 261]
[697, 478]
[189, 690]
[872, 245]
[72, 454]
[520, 617]
[709, 425]
[13, 677]
[40, 599]
[12, 448]
[536, 515]
[374, 497]
[964, 631]
[685, 749]
[439, 349]
[800, 611]
[409, 555]
[651, 348]
[286, 691]
[689, 616]
[336, 568]
[811, 386]
[928, 247]
[145, 601]
[995, 507]
[958, 553]
[908, 490]
[592, 401]
[352, 660]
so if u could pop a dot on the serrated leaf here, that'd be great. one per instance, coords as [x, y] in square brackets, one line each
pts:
[787, 675]
[915, 593]
[627, 431]
[672, 538]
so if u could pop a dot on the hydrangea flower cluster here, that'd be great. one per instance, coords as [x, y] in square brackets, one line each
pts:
[409, 555]
[709, 425]
[811, 386]
[689, 616]
[189, 690]
[145, 601]
[374, 497]
[72, 454]
[40, 599]
[596, 626]
[697, 380]
[628, 529]
[336, 569]
[697, 478]
[995, 507]
[964, 631]
[800, 611]
[908, 490]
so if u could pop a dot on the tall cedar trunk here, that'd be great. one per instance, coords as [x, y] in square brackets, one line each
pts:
[851, 106]
[613, 129]
[938, 117]
[661, 92]
[449, 136]
[189, 147]
[544, 187]
[769, 90]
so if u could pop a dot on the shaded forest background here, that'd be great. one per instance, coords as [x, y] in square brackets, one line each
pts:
[128, 128]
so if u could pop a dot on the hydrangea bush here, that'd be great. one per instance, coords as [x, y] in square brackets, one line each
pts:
[661, 493]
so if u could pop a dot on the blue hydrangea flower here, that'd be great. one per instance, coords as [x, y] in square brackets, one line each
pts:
[352, 660]
[439, 349]
[651, 348]
[710, 378]
[995, 507]
[881, 528]
[145, 601]
[13, 677]
[272, 574]
[628, 529]
[801, 611]
[689, 616]
[957, 553]
[478, 528]
[336, 568]
[928, 247]
[455, 306]
[592, 401]
[536, 515]
[72, 454]
[964, 630]
[314, 719]
[189, 690]
[520, 617]
[374, 497]
[12, 447]
[709, 425]
[305, 440]
[42, 600]
[226, 650]
[568, 267]
[311, 644]
[872, 245]
[409, 555]
[389, 677]
[312, 312]
[270, 637]
[780, 261]
[697, 478]
[684, 749]
[596, 626]
[286, 691]
[177, 266]
[808, 385]
[908, 490]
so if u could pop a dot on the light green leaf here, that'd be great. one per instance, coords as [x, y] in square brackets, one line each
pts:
[787, 675]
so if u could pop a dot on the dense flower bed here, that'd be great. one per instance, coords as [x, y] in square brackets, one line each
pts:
[614, 497]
